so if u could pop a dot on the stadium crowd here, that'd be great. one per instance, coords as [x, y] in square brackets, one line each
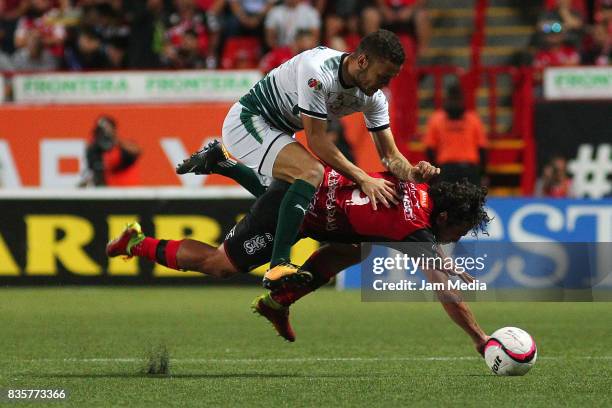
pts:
[80, 35]
[77, 35]
[569, 35]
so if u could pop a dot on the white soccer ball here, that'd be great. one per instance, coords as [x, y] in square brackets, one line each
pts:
[510, 351]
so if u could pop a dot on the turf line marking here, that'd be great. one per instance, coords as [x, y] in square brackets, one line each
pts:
[288, 360]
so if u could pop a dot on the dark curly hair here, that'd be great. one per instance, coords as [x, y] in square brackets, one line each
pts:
[382, 44]
[463, 201]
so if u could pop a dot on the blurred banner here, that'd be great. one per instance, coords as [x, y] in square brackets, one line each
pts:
[57, 240]
[139, 87]
[551, 230]
[578, 83]
[46, 238]
[580, 132]
[45, 145]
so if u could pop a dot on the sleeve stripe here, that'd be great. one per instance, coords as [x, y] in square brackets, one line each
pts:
[379, 128]
[314, 114]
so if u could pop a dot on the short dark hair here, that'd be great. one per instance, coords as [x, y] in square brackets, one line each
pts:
[464, 203]
[303, 32]
[107, 118]
[382, 44]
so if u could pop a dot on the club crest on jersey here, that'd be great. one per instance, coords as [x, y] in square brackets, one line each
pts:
[314, 84]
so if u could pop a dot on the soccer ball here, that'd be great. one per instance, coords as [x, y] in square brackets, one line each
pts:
[510, 351]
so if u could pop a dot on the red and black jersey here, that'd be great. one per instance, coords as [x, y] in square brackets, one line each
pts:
[341, 212]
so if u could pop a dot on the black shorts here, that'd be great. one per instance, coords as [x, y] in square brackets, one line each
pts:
[249, 243]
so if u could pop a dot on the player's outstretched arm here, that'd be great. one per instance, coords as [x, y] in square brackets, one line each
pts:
[378, 190]
[458, 310]
[461, 314]
[396, 163]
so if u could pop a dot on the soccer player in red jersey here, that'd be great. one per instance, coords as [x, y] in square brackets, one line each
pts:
[341, 215]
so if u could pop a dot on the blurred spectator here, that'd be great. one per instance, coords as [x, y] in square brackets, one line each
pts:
[340, 44]
[241, 53]
[188, 55]
[304, 40]
[34, 56]
[347, 39]
[39, 17]
[13, 9]
[6, 62]
[570, 18]
[187, 18]
[116, 53]
[88, 53]
[213, 10]
[145, 44]
[599, 51]
[285, 20]
[578, 5]
[371, 20]
[341, 18]
[456, 141]
[10, 12]
[554, 50]
[407, 17]
[106, 19]
[555, 181]
[603, 14]
[110, 160]
[246, 17]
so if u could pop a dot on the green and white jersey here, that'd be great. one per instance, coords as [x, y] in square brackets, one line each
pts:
[311, 83]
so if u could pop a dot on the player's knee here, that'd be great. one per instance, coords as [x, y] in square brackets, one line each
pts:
[313, 174]
[224, 273]
[216, 270]
[217, 266]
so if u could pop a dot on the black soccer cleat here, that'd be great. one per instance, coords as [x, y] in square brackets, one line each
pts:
[203, 161]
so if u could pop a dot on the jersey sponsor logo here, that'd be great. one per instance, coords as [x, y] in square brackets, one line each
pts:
[330, 201]
[424, 199]
[257, 243]
[299, 207]
[341, 104]
[231, 233]
[315, 84]
[408, 197]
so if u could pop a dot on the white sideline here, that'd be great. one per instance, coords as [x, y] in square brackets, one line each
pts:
[287, 360]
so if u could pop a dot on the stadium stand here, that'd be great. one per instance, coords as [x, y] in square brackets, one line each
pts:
[486, 46]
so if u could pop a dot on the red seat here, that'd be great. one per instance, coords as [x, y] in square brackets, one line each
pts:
[241, 53]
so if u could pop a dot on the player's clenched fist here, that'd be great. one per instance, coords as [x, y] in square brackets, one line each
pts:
[423, 171]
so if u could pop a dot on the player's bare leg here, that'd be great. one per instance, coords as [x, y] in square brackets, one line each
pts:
[324, 264]
[294, 164]
[183, 255]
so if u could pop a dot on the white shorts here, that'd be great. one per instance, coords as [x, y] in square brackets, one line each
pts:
[252, 141]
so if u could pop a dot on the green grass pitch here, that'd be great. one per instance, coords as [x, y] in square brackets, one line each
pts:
[93, 342]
